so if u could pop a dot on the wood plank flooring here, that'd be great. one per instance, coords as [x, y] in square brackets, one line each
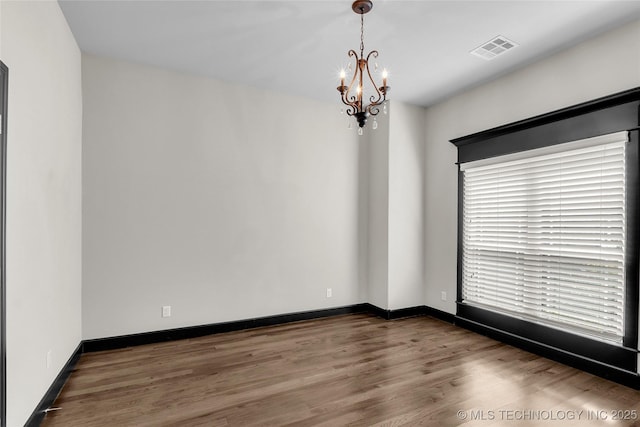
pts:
[346, 370]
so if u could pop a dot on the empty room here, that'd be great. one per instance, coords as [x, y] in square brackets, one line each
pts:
[319, 212]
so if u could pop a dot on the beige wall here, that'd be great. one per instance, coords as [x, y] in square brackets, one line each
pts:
[406, 205]
[43, 199]
[395, 210]
[378, 210]
[223, 201]
[602, 66]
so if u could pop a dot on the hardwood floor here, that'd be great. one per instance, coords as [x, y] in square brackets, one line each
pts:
[345, 370]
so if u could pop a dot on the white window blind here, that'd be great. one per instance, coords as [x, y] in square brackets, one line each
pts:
[544, 236]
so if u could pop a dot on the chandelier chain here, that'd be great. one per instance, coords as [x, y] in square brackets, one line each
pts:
[361, 35]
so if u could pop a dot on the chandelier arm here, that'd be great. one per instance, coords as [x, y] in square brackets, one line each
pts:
[352, 99]
[351, 104]
[373, 109]
[350, 111]
[378, 97]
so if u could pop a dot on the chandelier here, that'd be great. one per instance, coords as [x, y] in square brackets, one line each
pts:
[353, 95]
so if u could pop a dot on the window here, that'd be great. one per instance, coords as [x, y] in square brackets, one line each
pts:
[549, 234]
[543, 235]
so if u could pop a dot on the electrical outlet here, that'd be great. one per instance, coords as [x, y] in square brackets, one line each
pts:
[329, 293]
[48, 359]
[443, 296]
[166, 311]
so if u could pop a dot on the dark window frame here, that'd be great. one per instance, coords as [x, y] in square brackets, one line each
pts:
[614, 113]
[4, 85]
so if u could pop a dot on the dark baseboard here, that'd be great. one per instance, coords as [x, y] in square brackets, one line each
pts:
[613, 373]
[407, 312]
[439, 314]
[132, 340]
[606, 353]
[419, 310]
[377, 311]
[52, 393]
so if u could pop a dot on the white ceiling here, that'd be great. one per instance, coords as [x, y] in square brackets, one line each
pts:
[298, 46]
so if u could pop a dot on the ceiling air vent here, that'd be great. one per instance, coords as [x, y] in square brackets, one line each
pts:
[495, 47]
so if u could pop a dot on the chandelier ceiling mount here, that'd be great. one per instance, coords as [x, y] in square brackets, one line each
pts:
[362, 6]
